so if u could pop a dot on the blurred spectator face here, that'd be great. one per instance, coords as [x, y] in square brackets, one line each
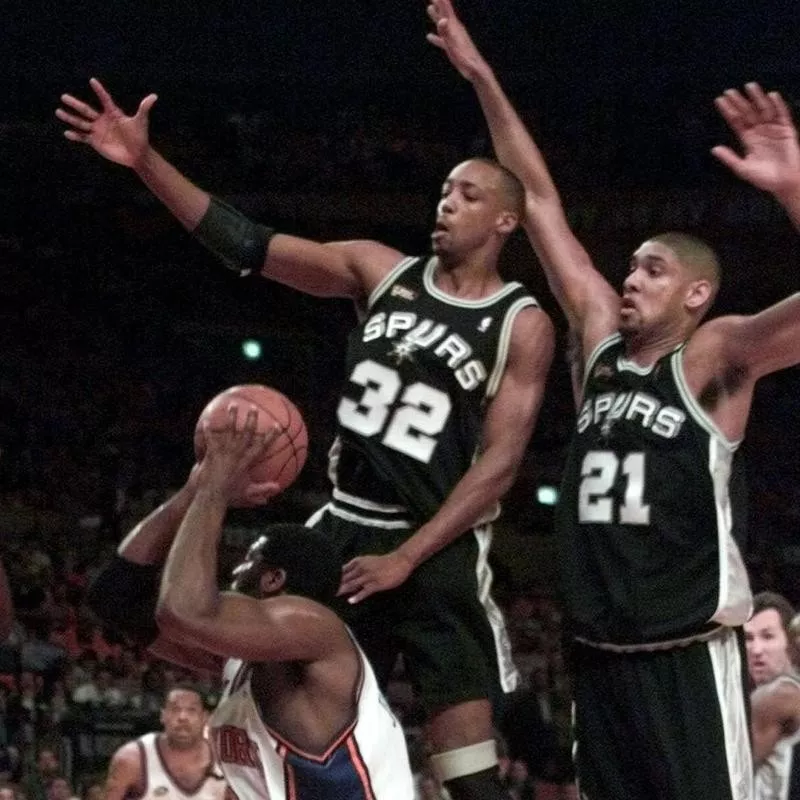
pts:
[767, 646]
[47, 762]
[183, 718]
[59, 789]
[7, 793]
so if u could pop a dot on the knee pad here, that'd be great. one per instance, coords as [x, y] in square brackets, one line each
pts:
[464, 761]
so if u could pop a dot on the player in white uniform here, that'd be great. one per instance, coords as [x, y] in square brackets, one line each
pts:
[301, 716]
[175, 764]
[775, 699]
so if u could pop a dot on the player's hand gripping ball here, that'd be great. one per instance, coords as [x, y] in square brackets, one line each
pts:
[285, 455]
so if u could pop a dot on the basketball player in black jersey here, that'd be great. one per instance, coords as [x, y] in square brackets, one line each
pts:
[446, 376]
[652, 578]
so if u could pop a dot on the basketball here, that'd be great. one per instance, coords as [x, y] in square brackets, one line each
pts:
[286, 454]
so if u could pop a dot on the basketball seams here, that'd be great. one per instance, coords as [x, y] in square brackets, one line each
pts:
[287, 454]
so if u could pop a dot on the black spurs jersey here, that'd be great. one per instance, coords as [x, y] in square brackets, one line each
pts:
[422, 367]
[645, 519]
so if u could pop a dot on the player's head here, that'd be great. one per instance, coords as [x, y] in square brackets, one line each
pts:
[480, 206]
[183, 717]
[290, 559]
[672, 282]
[768, 638]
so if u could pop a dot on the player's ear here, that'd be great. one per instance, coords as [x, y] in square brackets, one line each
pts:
[273, 580]
[507, 222]
[698, 294]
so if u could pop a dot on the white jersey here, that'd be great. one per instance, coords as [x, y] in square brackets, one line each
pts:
[774, 778]
[366, 761]
[160, 784]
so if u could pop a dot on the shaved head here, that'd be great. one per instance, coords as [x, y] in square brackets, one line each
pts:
[511, 189]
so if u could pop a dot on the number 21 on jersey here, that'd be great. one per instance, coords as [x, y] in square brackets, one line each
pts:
[598, 475]
[409, 428]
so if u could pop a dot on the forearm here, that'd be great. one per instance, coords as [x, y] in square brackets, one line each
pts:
[189, 583]
[473, 497]
[148, 542]
[187, 202]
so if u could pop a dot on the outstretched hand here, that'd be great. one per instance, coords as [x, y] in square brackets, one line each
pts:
[229, 454]
[116, 136]
[768, 137]
[452, 37]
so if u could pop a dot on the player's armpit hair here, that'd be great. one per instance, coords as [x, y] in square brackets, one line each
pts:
[240, 243]
[124, 596]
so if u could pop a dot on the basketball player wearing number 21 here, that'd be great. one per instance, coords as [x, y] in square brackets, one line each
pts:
[653, 581]
[446, 374]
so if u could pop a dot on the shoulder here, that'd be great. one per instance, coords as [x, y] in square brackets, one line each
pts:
[532, 333]
[371, 260]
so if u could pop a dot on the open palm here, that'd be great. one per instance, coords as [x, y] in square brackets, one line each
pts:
[116, 136]
[763, 125]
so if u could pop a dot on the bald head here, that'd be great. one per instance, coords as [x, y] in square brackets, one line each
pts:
[509, 186]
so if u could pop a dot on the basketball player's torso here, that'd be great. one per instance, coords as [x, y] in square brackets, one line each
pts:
[421, 369]
[645, 517]
[186, 777]
[366, 759]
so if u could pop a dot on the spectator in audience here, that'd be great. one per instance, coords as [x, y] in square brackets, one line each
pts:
[36, 779]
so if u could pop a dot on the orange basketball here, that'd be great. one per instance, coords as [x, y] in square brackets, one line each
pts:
[286, 454]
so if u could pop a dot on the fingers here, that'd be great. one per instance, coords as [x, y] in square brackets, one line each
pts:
[729, 158]
[81, 123]
[752, 108]
[146, 105]
[84, 109]
[103, 96]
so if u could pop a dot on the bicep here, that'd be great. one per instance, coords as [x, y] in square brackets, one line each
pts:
[282, 628]
[124, 773]
[765, 342]
[332, 269]
[513, 411]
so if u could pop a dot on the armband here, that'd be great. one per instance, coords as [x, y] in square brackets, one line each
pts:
[124, 595]
[240, 243]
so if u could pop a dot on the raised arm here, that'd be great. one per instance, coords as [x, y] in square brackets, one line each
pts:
[508, 425]
[343, 269]
[589, 302]
[770, 160]
[191, 608]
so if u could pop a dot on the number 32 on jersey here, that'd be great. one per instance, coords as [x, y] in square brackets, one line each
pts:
[411, 427]
[598, 474]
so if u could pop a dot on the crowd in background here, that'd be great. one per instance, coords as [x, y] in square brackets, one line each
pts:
[113, 339]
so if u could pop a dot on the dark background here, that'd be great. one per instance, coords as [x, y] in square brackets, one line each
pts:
[337, 120]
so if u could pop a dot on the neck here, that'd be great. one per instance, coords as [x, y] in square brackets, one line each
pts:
[472, 278]
[646, 347]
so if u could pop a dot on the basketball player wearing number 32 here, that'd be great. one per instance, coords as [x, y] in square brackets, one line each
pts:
[446, 374]
[655, 587]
